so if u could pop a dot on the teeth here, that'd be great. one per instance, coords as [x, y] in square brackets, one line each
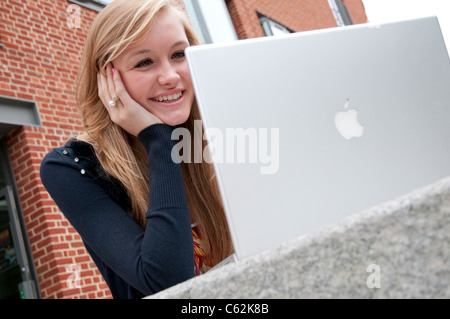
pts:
[168, 98]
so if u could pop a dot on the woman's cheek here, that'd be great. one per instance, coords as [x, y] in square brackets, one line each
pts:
[138, 88]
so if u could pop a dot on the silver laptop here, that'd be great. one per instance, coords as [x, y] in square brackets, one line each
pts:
[312, 127]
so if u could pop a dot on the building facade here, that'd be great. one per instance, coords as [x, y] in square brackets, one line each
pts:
[41, 255]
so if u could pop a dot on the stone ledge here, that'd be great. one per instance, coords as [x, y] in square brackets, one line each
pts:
[407, 238]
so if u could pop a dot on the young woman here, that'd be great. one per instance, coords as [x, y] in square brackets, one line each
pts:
[147, 222]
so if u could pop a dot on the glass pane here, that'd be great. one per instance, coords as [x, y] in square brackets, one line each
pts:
[10, 274]
[2, 178]
[195, 20]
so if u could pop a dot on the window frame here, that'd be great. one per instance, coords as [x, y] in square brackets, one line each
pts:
[95, 5]
[340, 12]
[267, 24]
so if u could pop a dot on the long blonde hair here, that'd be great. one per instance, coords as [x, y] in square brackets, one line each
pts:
[121, 155]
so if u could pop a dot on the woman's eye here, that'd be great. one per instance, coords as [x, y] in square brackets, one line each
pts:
[144, 63]
[178, 55]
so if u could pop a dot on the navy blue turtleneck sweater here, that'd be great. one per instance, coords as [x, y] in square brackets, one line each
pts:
[134, 262]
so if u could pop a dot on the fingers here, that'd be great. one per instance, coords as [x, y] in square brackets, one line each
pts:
[105, 87]
[119, 89]
[109, 78]
[113, 90]
[114, 98]
[125, 112]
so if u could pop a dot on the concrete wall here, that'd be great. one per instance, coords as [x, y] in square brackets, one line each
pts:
[399, 249]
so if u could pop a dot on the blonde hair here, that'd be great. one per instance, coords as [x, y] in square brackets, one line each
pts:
[121, 155]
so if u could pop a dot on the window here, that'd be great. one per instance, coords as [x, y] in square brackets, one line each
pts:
[96, 5]
[198, 20]
[272, 28]
[211, 20]
[17, 272]
[340, 13]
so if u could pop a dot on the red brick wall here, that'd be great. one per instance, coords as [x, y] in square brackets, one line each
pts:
[39, 62]
[297, 15]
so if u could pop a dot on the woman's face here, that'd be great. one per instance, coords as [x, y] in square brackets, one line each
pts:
[155, 71]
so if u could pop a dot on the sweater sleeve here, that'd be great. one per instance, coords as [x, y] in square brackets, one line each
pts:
[149, 260]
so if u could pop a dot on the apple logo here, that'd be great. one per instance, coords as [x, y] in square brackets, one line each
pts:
[347, 122]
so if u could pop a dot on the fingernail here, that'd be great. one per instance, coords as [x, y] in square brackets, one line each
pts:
[114, 71]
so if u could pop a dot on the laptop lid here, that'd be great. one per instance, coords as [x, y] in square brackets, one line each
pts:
[282, 115]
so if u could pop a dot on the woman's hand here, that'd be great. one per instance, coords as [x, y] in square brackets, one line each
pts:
[126, 112]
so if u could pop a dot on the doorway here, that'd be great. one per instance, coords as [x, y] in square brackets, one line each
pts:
[10, 274]
[15, 273]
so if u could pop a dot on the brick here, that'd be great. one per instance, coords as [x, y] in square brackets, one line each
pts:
[297, 15]
[39, 62]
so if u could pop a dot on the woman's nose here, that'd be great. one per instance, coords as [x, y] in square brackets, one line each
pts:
[168, 75]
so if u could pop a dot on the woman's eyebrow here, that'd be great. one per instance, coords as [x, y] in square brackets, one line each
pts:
[181, 42]
[146, 51]
[139, 52]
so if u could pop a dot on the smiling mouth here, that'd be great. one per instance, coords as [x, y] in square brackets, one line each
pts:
[168, 98]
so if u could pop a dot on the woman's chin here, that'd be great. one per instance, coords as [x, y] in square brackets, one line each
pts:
[175, 121]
